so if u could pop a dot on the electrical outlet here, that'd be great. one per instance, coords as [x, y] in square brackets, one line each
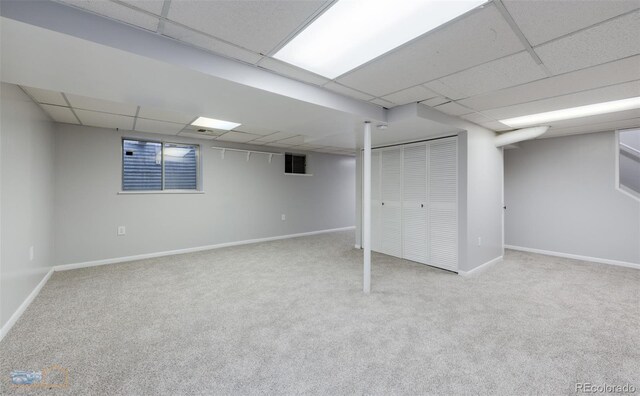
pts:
[284, 217]
[479, 241]
[122, 231]
[31, 253]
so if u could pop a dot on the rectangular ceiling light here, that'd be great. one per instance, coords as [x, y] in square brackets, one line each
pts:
[573, 112]
[215, 124]
[353, 32]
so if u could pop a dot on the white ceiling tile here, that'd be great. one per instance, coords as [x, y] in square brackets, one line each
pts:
[453, 108]
[237, 137]
[598, 76]
[105, 120]
[278, 144]
[296, 140]
[495, 126]
[307, 147]
[348, 91]
[477, 38]
[597, 119]
[477, 118]
[60, 114]
[118, 12]
[442, 89]
[615, 39]
[382, 102]
[291, 71]
[605, 94]
[256, 25]
[501, 73]
[438, 100]
[152, 6]
[541, 21]
[45, 96]
[84, 103]
[168, 128]
[254, 130]
[590, 128]
[274, 136]
[208, 43]
[165, 115]
[410, 95]
[197, 135]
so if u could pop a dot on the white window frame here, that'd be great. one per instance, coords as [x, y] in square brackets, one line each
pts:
[306, 165]
[199, 183]
[617, 186]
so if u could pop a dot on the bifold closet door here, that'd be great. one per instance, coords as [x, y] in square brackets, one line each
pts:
[376, 236]
[442, 239]
[391, 202]
[414, 203]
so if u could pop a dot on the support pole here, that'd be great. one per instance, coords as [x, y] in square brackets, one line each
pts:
[366, 211]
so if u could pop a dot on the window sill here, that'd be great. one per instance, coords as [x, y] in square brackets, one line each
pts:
[160, 192]
[298, 174]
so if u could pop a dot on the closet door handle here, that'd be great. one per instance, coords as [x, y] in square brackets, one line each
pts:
[422, 205]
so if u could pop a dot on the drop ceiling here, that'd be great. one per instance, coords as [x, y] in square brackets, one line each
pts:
[507, 58]
[80, 110]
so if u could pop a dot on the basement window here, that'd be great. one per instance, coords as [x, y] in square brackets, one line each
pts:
[295, 164]
[628, 162]
[159, 166]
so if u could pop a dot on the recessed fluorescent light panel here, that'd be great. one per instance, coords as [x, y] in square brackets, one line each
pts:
[215, 124]
[573, 112]
[353, 32]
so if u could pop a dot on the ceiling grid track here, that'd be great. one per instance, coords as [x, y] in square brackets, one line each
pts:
[423, 84]
[516, 30]
[163, 15]
[163, 19]
[71, 108]
[135, 118]
[36, 102]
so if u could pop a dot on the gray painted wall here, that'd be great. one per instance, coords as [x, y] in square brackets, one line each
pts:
[561, 197]
[484, 198]
[26, 204]
[242, 200]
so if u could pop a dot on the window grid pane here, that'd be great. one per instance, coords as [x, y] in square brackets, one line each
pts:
[180, 167]
[141, 166]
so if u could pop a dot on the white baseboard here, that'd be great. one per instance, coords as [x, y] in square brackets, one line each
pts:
[25, 304]
[480, 268]
[357, 246]
[574, 256]
[66, 267]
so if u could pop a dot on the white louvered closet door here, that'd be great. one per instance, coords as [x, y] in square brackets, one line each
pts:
[414, 203]
[443, 203]
[376, 213]
[391, 205]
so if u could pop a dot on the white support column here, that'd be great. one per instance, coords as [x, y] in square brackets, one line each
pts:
[366, 208]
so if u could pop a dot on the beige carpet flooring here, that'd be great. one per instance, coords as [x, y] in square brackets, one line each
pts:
[288, 317]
